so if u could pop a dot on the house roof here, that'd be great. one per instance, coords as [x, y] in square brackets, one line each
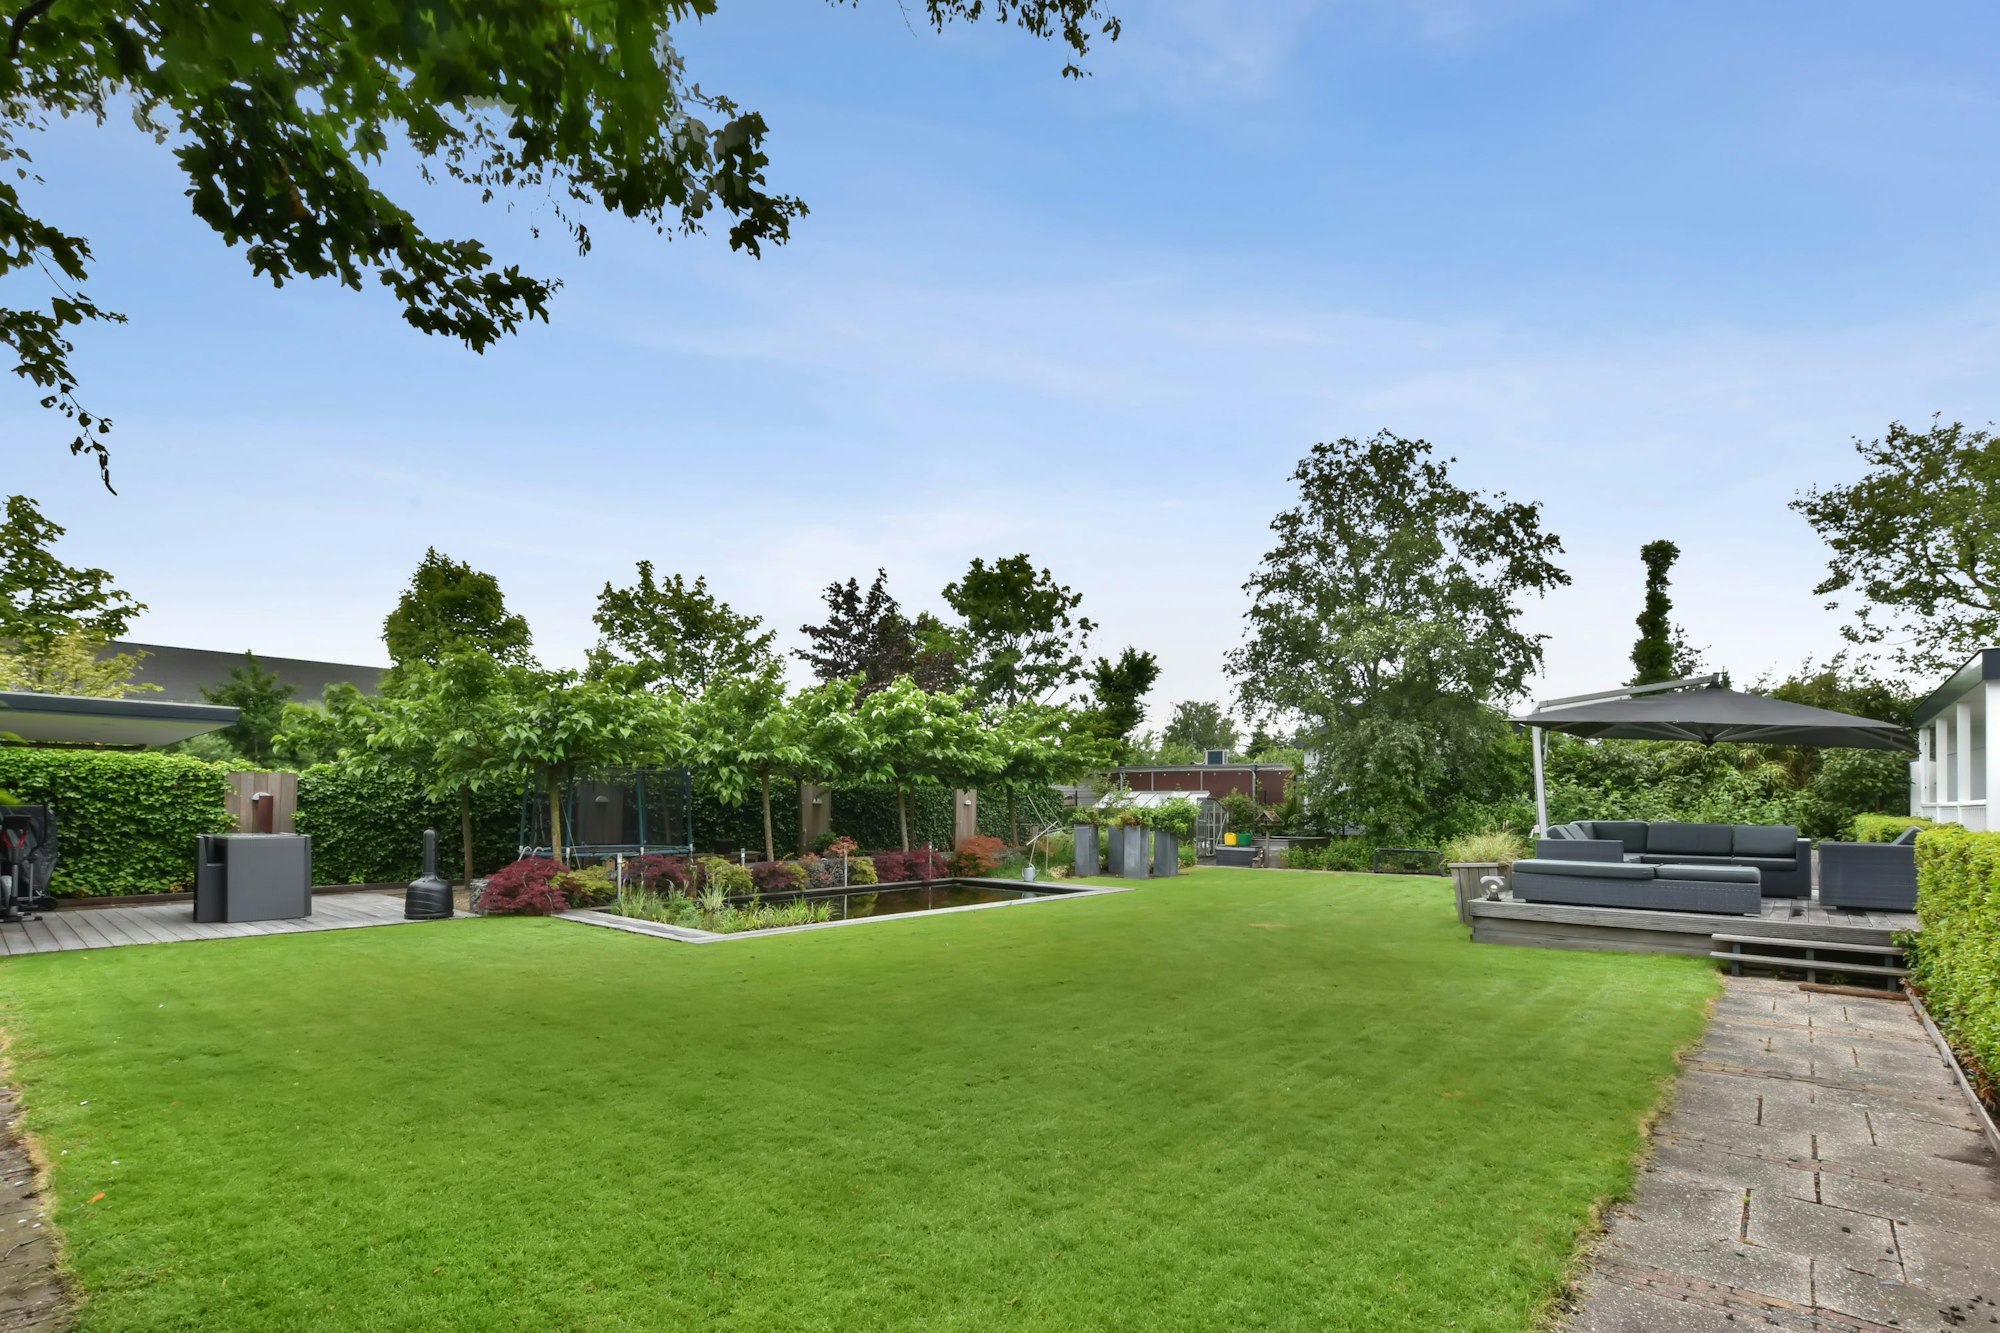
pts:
[105, 724]
[1982, 666]
[182, 672]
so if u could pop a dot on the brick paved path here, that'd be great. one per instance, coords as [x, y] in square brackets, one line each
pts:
[1820, 1169]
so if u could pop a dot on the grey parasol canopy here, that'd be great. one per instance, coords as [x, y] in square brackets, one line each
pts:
[1714, 713]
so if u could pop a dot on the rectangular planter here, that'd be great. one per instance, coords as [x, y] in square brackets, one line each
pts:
[1088, 859]
[1166, 853]
[1127, 852]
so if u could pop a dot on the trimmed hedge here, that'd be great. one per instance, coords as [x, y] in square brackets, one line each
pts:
[1955, 960]
[368, 827]
[125, 821]
[1888, 828]
[868, 815]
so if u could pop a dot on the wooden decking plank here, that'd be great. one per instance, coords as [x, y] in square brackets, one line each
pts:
[39, 934]
[84, 926]
[65, 931]
[138, 921]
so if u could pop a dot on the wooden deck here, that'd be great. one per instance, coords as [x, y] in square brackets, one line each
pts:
[169, 923]
[1786, 921]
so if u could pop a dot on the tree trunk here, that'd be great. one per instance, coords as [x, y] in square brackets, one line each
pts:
[1013, 820]
[465, 829]
[903, 817]
[555, 815]
[770, 846]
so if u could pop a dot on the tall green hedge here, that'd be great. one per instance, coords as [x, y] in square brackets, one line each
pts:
[1955, 960]
[368, 827]
[125, 821]
[868, 815]
[1035, 806]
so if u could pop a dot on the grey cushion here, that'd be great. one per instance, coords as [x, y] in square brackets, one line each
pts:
[1686, 858]
[1765, 840]
[1585, 869]
[1565, 833]
[1631, 832]
[1767, 862]
[1710, 874]
[1689, 839]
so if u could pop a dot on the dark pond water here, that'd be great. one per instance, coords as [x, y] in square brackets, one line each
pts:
[850, 903]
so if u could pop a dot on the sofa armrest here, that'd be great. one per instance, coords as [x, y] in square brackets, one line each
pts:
[1580, 849]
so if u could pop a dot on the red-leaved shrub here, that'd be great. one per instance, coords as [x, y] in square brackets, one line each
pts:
[525, 888]
[661, 874]
[901, 867]
[977, 855]
[778, 876]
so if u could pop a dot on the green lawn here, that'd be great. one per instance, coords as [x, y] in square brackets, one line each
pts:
[1238, 1100]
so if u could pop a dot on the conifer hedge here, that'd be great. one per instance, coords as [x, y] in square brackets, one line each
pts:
[1955, 960]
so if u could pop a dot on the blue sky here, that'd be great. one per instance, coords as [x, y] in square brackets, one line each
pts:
[1653, 266]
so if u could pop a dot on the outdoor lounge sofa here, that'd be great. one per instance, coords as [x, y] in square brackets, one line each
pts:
[1782, 857]
[1724, 889]
[1874, 876]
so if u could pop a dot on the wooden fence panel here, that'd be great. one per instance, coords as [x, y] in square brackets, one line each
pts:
[280, 793]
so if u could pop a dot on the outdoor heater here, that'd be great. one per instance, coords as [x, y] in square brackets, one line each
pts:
[429, 897]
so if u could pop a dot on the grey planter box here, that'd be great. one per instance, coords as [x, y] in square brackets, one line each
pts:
[252, 877]
[1088, 858]
[1128, 852]
[1166, 853]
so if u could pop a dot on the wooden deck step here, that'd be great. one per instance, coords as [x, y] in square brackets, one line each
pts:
[1835, 945]
[1809, 964]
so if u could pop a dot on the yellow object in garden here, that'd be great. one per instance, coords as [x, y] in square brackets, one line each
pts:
[1229, 840]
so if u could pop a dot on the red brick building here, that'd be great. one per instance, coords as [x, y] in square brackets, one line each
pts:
[1263, 783]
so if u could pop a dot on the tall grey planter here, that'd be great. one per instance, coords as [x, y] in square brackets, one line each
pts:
[1166, 853]
[1088, 861]
[1128, 852]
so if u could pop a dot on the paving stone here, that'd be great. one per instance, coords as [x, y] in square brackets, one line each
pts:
[1965, 1217]
[1869, 1296]
[1717, 1097]
[1951, 1263]
[1715, 1167]
[1615, 1308]
[1743, 1136]
[1811, 1230]
[1947, 1176]
[1809, 1110]
[1721, 1258]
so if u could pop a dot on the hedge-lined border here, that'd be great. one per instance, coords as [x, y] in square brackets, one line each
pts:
[126, 821]
[1955, 957]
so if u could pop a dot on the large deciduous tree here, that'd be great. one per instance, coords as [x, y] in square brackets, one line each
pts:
[910, 737]
[1198, 725]
[291, 121]
[1023, 640]
[1035, 745]
[1385, 624]
[746, 732]
[866, 637]
[558, 725]
[446, 725]
[675, 635]
[1916, 544]
[449, 605]
[42, 598]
